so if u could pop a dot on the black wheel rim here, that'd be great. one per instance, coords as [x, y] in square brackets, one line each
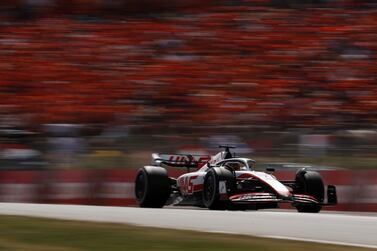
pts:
[140, 186]
[209, 189]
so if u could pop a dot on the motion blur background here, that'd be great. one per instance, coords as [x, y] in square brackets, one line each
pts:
[100, 84]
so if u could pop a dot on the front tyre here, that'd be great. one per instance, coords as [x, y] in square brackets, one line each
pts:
[310, 183]
[152, 187]
[218, 184]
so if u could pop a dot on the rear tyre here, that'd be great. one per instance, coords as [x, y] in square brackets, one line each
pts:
[310, 183]
[215, 194]
[152, 187]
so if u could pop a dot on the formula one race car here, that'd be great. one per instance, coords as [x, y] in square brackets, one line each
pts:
[226, 182]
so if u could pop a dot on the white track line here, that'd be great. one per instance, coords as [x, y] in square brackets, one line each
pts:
[350, 230]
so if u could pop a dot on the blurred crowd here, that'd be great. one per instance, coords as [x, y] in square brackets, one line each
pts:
[258, 64]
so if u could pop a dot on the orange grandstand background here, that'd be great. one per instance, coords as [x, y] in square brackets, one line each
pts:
[239, 64]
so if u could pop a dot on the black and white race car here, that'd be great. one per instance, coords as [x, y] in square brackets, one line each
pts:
[224, 182]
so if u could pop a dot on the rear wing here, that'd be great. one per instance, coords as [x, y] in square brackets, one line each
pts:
[180, 160]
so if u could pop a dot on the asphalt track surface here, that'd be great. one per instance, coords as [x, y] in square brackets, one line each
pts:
[344, 229]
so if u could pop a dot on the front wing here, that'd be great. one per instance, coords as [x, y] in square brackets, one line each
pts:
[270, 197]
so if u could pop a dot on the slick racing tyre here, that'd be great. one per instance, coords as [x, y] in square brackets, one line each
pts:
[309, 183]
[219, 183]
[152, 187]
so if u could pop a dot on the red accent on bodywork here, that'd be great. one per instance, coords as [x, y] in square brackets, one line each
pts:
[243, 194]
[245, 176]
[198, 187]
[305, 196]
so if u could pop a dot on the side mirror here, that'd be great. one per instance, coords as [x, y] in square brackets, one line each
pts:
[270, 169]
[331, 195]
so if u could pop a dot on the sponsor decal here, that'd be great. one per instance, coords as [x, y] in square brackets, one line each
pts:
[186, 184]
[183, 159]
[222, 187]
